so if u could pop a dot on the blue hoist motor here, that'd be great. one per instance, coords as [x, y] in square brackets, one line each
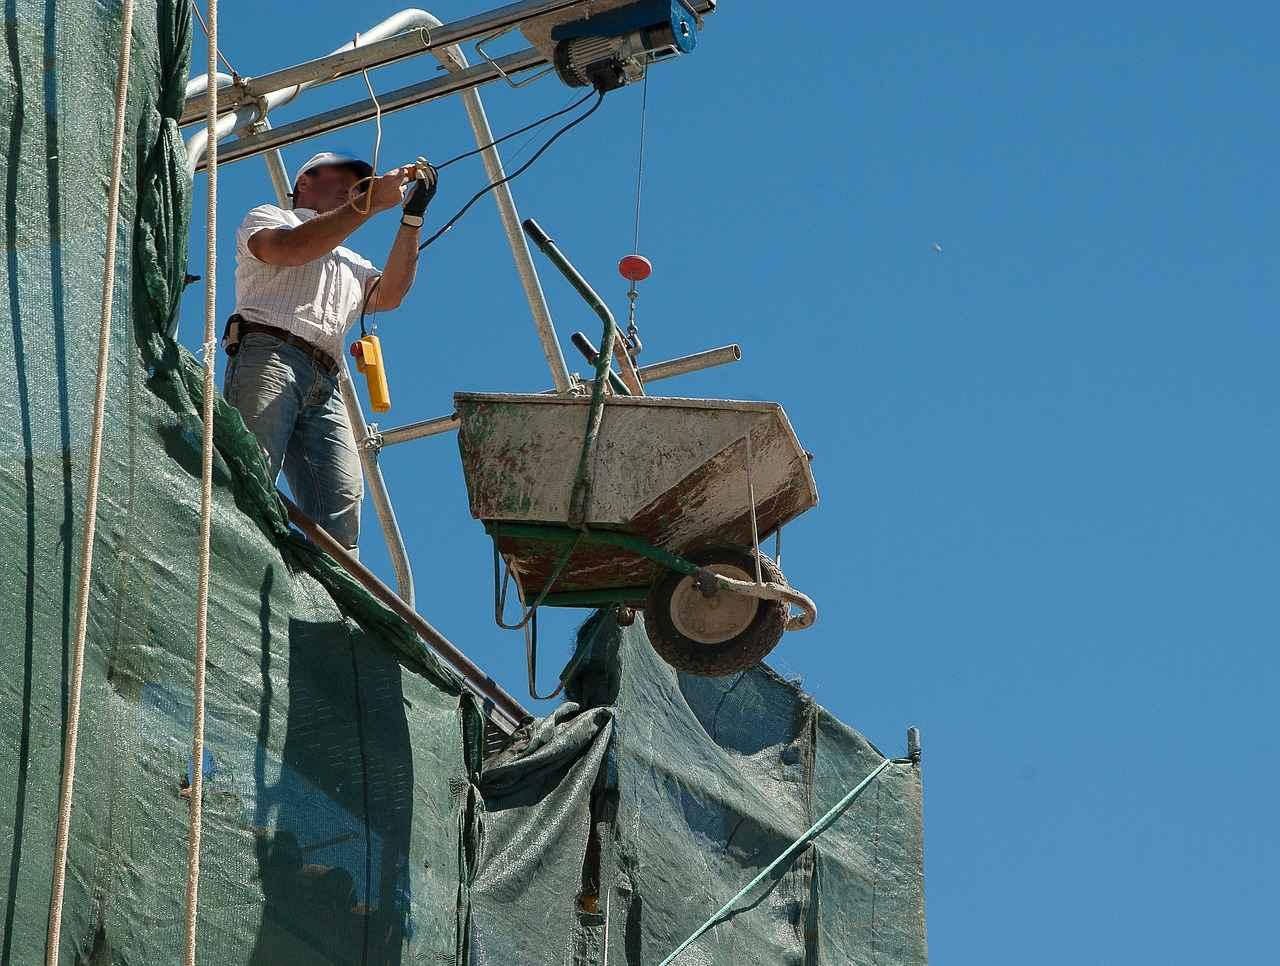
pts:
[615, 48]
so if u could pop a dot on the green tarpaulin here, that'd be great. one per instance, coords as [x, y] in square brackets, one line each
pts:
[349, 817]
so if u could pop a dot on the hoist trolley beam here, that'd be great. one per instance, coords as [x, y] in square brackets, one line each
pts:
[411, 43]
[347, 62]
[250, 145]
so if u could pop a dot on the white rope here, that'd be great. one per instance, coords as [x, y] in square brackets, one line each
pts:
[377, 144]
[63, 833]
[206, 506]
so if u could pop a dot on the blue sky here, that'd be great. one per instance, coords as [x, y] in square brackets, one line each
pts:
[1047, 455]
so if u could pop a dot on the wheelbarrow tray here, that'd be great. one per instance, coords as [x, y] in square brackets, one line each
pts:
[668, 471]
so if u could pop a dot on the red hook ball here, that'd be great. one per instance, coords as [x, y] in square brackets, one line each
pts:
[635, 268]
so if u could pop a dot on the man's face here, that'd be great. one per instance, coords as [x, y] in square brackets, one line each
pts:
[325, 188]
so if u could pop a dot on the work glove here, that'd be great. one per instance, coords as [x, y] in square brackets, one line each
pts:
[419, 196]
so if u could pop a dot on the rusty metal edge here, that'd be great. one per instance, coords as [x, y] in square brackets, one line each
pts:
[672, 402]
[661, 402]
[510, 713]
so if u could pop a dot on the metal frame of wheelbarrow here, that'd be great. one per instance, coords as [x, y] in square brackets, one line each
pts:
[709, 582]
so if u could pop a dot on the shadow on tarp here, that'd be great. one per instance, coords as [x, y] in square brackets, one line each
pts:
[332, 865]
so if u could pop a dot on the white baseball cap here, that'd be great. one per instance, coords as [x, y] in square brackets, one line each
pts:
[326, 158]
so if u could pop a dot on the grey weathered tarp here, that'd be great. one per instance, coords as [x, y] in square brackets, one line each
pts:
[349, 818]
[658, 795]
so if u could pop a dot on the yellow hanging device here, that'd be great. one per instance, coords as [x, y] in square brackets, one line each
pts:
[368, 355]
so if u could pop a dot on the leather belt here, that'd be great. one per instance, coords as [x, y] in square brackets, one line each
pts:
[318, 356]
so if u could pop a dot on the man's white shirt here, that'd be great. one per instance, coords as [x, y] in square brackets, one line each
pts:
[317, 301]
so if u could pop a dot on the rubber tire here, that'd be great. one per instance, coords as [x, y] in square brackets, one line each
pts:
[743, 651]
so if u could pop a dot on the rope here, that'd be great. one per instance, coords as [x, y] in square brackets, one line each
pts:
[814, 831]
[377, 144]
[205, 27]
[580, 497]
[63, 833]
[206, 512]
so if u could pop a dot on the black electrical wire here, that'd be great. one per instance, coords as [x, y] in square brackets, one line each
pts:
[364, 308]
[507, 137]
[514, 174]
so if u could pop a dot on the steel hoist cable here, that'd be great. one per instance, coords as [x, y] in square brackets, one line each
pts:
[205, 27]
[644, 112]
[633, 343]
[75, 686]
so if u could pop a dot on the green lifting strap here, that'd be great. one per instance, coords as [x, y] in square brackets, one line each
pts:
[814, 831]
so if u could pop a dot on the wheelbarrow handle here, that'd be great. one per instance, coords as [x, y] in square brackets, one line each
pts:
[774, 591]
[557, 258]
[583, 345]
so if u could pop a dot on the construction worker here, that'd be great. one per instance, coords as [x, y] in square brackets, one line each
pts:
[297, 291]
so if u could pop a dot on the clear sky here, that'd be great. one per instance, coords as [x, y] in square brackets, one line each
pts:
[1047, 454]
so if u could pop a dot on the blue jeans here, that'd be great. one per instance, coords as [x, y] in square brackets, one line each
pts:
[295, 409]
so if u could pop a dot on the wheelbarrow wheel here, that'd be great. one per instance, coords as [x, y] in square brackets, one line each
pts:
[717, 635]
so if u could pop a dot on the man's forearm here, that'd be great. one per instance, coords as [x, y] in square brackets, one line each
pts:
[312, 239]
[323, 233]
[400, 269]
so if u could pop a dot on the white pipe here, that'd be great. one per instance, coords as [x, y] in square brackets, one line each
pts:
[198, 85]
[419, 430]
[198, 143]
[247, 114]
[691, 363]
[529, 280]
[280, 182]
[377, 487]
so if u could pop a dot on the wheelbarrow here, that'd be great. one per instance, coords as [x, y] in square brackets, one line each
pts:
[648, 503]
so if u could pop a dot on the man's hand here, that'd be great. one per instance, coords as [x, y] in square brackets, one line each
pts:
[385, 191]
[420, 195]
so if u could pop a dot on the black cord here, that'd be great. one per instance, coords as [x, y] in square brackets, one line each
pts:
[508, 137]
[364, 308]
[514, 174]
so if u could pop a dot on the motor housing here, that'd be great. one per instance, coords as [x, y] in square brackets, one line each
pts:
[615, 48]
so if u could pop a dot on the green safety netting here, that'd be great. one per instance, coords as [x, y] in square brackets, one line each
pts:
[349, 814]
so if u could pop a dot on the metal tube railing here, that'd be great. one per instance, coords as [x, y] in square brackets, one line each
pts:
[426, 427]
[691, 363]
[365, 110]
[386, 48]
[515, 239]
[347, 61]
[651, 373]
[512, 712]
[378, 492]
